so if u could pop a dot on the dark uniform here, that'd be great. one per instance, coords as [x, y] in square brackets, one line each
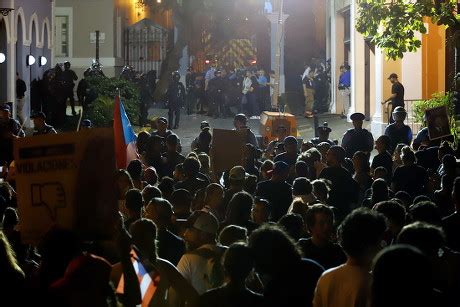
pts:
[323, 132]
[68, 77]
[176, 99]
[9, 129]
[357, 139]
[216, 95]
[46, 129]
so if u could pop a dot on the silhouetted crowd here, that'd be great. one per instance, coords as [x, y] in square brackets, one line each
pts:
[295, 224]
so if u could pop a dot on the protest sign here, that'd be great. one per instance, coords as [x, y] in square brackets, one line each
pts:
[227, 149]
[66, 180]
[437, 122]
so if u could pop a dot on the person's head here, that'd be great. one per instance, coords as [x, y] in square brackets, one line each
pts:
[382, 143]
[324, 131]
[395, 214]
[201, 229]
[191, 167]
[38, 119]
[205, 163]
[380, 191]
[150, 175]
[162, 124]
[404, 198]
[144, 235]
[10, 218]
[237, 176]
[425, 211]
[134, 202]
[261, 211]
[166, 186]
[426, 237]
[408, 156]
[290, 145]
[141, 141]
[250, 153]
[357, 120]
[86, 124]
[312, 157]
[449, 163]
[397, 154]
[445, 149]
[7, 256]
[149, 193]
[280, 171]
[124, 183]
[238, 262]
[171, 142]
[239, 208]
[301, 169]
[393, 78]
[214, 195]
[160, 211]
[240, 121]
[401, 277]
[361, 233]
[380, 173]
[265, 169]
[178, 173]
[420, 198]
[320, 222]
[134, 169]
[361, 162]
[17, 76]
[281, 132]
[335, 156]
[181, 201]
[198, 200]
[175, 76]
[399, 114]
[323, 148]
[231, 234]
[293, 224]
[248, 73]
[301, 186]
[321, 190]
[271, 247]
[5, 111]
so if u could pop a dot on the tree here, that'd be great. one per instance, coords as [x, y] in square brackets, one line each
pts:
[392, 24]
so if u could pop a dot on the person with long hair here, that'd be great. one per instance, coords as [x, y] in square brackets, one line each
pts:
[12, 277]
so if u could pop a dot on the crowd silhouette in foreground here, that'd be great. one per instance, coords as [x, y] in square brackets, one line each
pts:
[311, 224]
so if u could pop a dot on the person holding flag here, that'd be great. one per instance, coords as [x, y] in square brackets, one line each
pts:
[125, 138]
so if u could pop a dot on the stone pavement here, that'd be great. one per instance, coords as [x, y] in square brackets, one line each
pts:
[189, 127]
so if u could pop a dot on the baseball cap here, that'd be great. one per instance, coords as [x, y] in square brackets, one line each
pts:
[206, 222]
[204, 124]
[38, 115]
[399, 110]
[237, 173]
[393, 75]
[163, 120]
[86, 123]
[324, 127]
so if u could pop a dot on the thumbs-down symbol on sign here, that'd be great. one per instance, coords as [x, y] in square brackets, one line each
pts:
[50, 195]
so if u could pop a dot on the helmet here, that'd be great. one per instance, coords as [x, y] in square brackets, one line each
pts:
[399, 113]
[176, 76]
[217, 72]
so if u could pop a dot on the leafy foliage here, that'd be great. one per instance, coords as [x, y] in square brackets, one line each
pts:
[101, 110]
[437, 100]
[392, 25]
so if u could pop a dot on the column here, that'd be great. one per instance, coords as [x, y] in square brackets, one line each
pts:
[275, 25]
[354, 80]
[333, 55]
[377, 124]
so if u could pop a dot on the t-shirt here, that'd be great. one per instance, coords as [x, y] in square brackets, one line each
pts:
[295, 286]
[278, 193]
[329, 256]
[398, 135]
[398, 89]
[345, 286]
[451, 226]
[227, 296]
[410, 178]
[170, 246]
[383, 160]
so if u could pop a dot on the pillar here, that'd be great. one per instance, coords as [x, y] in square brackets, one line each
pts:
[277, 25]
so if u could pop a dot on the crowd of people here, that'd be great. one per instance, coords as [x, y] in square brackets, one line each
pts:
[311, 224]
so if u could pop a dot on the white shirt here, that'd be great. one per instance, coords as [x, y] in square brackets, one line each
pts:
[345, 286]
[196, 270]
[247, 83]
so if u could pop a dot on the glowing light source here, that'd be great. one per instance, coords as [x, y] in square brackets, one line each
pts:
[254, 62]
[30, 60]
[2, 58]
[207, 61]
[42, 61]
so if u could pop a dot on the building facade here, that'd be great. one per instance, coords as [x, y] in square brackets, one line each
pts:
[422, 73]
[26, 40]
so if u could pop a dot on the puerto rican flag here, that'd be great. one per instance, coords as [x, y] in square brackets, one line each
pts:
[148, 282]
[125, 138]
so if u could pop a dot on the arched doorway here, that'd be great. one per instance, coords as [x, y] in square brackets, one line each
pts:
[3, 67]
[35, 103]
[46, 50]
[20, 66]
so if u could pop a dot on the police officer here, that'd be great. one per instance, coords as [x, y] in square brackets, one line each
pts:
[323, 135]
[40, 125]
[216, 94]
[9, 130]
[398, 132]
[176, 99]
[357, 138]
[69, 76]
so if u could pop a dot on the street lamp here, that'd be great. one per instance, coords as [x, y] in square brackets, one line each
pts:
[2, 58]
[30, 60]
[42, 61]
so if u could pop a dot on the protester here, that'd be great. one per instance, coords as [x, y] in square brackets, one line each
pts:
[40, 125]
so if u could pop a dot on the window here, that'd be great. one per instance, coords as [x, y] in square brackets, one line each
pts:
[63, 27]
